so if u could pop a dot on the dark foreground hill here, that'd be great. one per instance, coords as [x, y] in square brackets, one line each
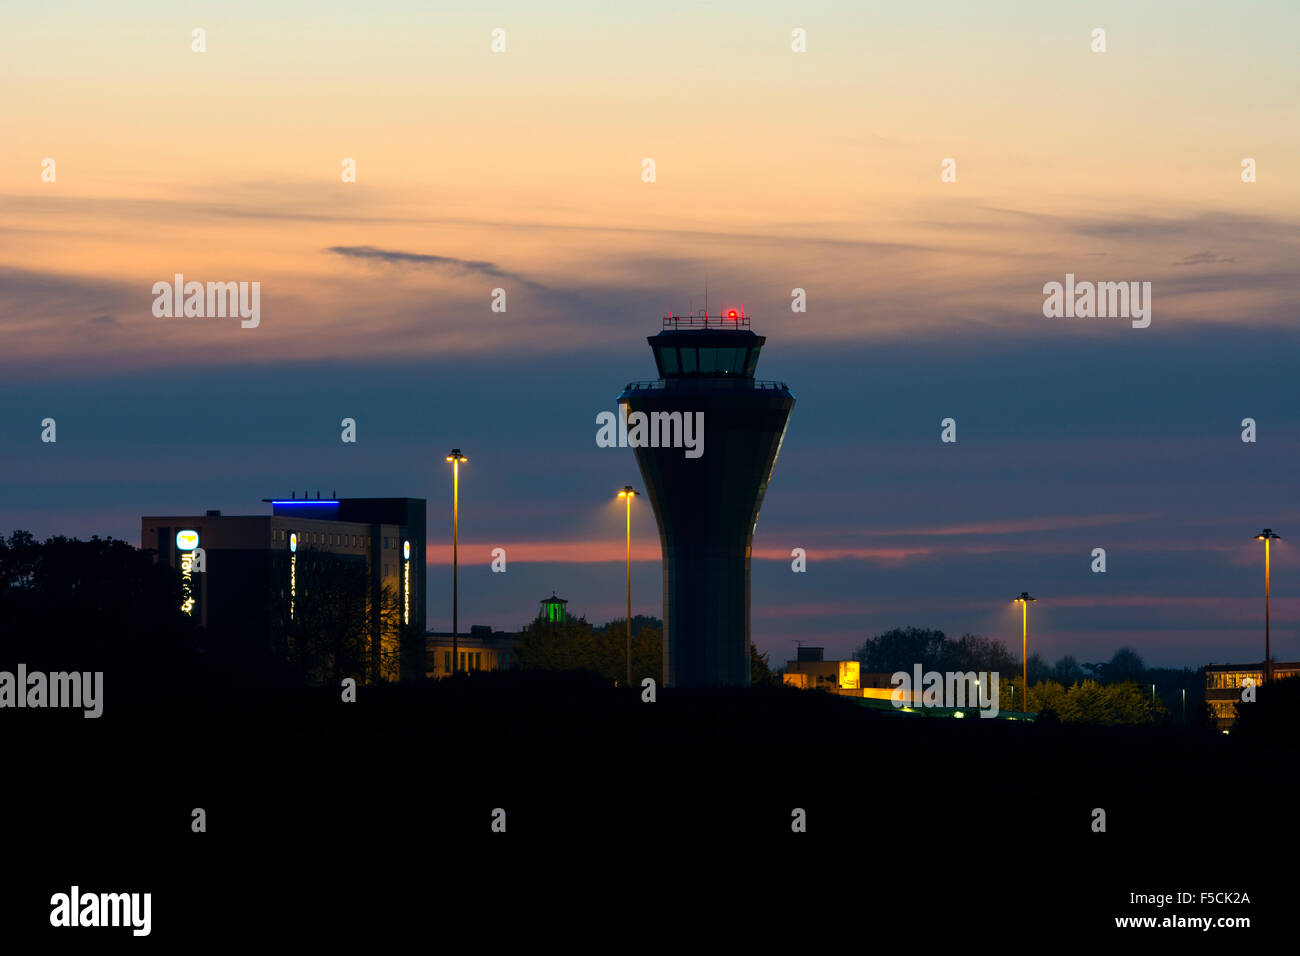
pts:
[301, 789]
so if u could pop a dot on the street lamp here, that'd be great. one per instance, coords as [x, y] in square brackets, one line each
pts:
[1267, 536]
[1024, 600]
[629, 494]
[455, 458]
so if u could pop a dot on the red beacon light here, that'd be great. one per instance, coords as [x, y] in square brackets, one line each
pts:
[732, 314]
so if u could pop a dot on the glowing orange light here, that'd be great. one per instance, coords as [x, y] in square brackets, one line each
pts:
[731, 314]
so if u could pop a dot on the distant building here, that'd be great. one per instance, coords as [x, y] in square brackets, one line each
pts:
[874, 689]
[811, 672]
[1225, 682]
[553, 610]
[482, 649]
[247, 575]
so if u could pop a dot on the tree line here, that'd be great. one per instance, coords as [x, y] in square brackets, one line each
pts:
[1114, 691]
[576, 645]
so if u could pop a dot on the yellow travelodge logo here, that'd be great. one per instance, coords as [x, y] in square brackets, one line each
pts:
[406, 582]
[187, 540]
[293, 572]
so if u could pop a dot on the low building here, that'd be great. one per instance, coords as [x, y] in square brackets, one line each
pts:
[844, 678]
[880, 690]
[1224, 684]
[811, 672]
[482, 649]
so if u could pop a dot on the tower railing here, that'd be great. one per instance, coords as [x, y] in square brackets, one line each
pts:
[705, 321]
[706, 381]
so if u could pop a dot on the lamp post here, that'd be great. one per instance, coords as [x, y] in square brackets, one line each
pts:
[455, 458]
[1267, 536]
[629, 494]
[1024, 600]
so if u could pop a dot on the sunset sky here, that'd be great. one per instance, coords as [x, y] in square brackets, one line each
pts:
[774, 170]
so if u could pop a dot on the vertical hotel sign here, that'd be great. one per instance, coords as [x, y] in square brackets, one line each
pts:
[406, 582]
[293, 570]
[186, 543]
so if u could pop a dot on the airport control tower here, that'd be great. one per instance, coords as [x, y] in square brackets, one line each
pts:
[706, 506]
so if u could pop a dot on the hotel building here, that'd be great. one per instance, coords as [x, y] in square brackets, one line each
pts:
[246, 575]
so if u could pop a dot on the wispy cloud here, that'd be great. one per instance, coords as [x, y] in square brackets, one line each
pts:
[1203, 258]
[448, 264]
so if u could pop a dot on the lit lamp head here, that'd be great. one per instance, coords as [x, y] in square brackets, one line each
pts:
[1268, 534]
[627, 492]
[1024, 598]
[456, 456]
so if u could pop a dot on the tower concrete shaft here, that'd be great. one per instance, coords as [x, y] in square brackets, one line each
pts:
[706, 507]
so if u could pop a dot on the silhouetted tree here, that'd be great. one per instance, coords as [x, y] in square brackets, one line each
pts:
[901, 648]
[760, 673]
[1273, 719]
[332, 633]
[101, 604]
[1067, 671]
[575, 645]
[1124, 665]
[974, 653]
[1039, 670]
